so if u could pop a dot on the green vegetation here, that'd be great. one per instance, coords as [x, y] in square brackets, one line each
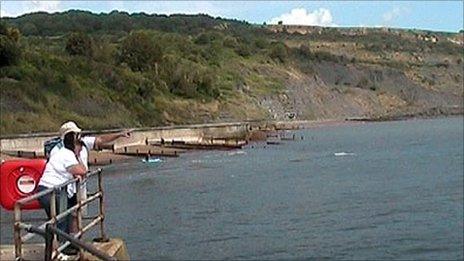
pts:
[119, 70]
[79, 44]
[128, 70]
[10, 52]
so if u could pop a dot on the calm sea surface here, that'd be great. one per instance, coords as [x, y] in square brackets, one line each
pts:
[390, 190]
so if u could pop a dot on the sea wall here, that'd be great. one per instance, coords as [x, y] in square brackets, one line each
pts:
[188, 133]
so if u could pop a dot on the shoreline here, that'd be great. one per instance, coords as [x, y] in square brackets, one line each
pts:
[432, 113]
[403, 117]
[256, 131]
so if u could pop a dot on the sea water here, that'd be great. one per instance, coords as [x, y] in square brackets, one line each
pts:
[388, 190]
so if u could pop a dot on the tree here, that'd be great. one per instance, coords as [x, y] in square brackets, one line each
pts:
[10, 32]
[14, 34]
[140, 52]
[10, 52]
[79, 44]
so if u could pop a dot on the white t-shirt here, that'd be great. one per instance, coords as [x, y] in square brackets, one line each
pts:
[60, 160]
[84, 155]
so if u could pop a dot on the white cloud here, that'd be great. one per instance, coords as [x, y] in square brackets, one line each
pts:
[300, 16]
[46, 6]
[391, 15]
[394, 14]
[4, 13]
[16, 8]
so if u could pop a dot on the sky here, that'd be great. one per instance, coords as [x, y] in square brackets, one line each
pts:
[429, 15]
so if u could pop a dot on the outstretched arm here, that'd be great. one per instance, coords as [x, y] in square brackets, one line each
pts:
[103, 141]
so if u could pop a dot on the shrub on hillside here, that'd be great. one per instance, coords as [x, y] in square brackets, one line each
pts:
[243, 49]
[279, 52]
[182, 82]
[325, 56]
[189, 81]
[13, 34]
[204, 81]
[140, 52]
[146, 90]
[79, 44]
[230, 42]
[104, 51]
[207, 38]
[3, 29]
[371, 47]
[304, 51]
[261, 43]
[10, 52]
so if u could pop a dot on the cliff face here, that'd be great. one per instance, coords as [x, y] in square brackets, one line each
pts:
[215, 70]
[362, 74]
[339, 91]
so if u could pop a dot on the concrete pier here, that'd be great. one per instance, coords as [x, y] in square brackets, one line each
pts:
[115, 247]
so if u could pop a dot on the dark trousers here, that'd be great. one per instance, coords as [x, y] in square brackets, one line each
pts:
[62, 203]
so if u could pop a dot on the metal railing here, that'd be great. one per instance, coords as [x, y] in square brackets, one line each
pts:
[48, 229]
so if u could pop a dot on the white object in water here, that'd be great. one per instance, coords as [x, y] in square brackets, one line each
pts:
[238, 152]
[152, 160]
[344, 154]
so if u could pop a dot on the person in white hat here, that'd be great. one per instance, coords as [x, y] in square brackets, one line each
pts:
[63, 165]
[83, 145]
[69, 159]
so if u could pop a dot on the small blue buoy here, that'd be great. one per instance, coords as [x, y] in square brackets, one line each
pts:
[152, 160]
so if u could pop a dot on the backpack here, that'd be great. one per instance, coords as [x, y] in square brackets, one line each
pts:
[50, 144]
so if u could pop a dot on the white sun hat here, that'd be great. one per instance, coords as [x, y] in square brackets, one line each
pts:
[68, 127]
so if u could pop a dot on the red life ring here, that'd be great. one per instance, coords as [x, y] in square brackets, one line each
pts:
[19, 179]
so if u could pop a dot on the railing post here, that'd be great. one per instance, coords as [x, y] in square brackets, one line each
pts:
[101, 206]
[79, 204]
[49, 237]
[53, 214]
[17, 232]
[79, 214]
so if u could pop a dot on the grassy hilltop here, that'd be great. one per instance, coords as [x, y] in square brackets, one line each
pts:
[121, 70]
